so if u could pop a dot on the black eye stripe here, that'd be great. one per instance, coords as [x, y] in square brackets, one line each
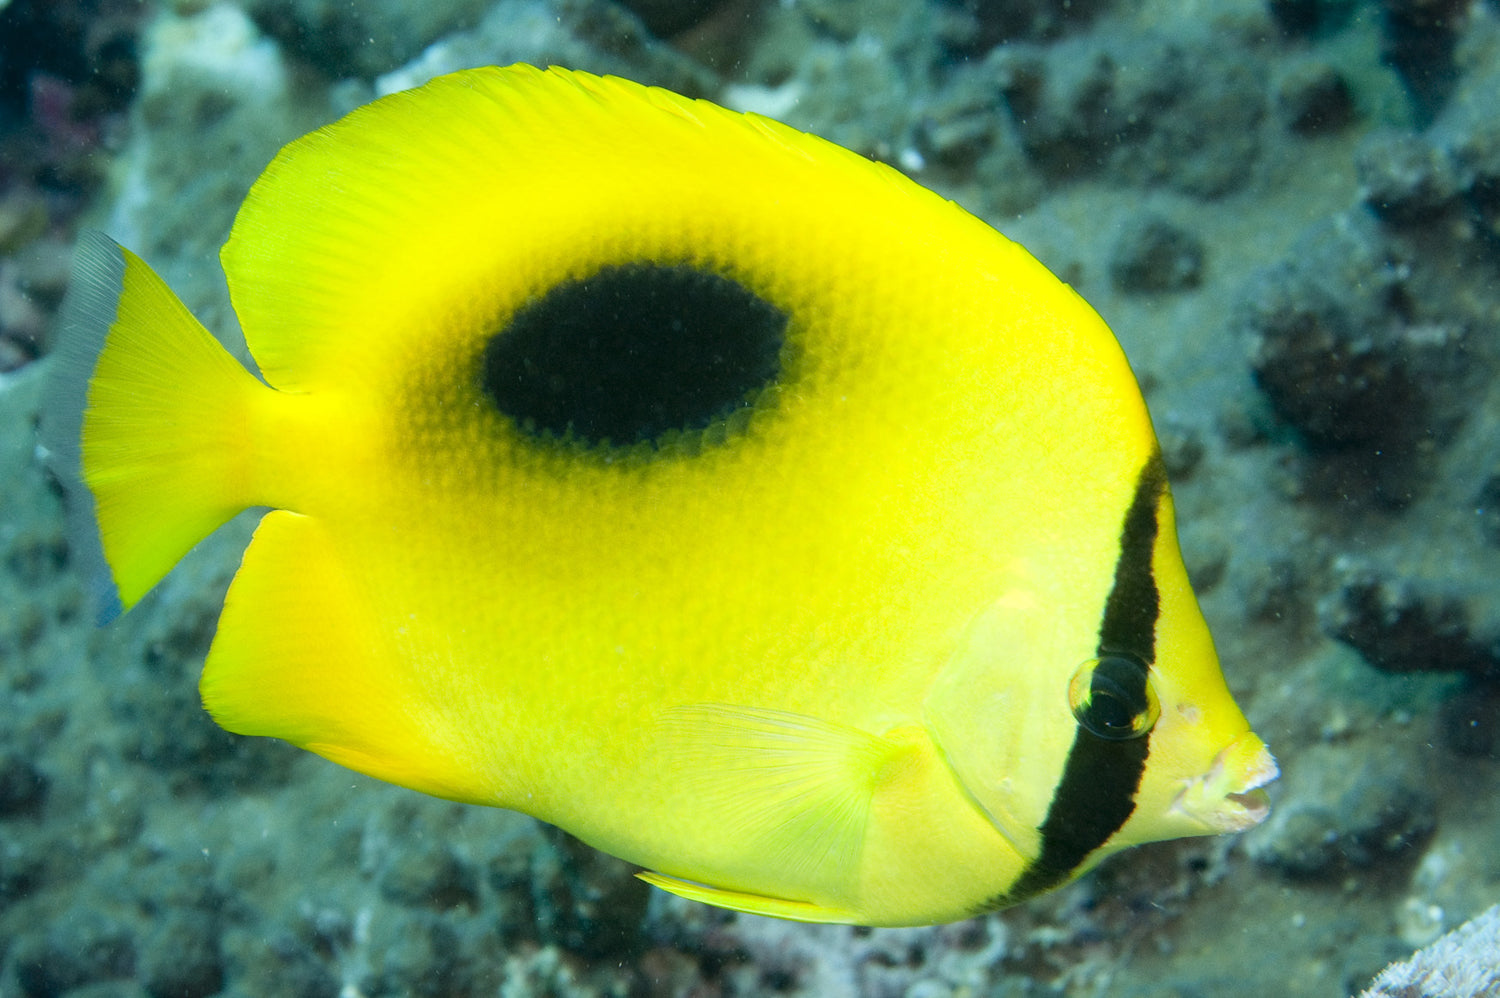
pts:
[1129, 624]
[1096, 794]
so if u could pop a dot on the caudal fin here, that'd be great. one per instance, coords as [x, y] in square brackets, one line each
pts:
[145, 423]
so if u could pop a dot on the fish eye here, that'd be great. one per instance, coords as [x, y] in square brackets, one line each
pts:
[1113, 697]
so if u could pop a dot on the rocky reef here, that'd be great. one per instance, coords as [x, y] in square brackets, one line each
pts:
[1289, 212]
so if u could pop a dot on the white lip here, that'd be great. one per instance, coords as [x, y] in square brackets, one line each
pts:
[1229, 798]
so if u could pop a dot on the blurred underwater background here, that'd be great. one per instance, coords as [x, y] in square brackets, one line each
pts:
[1287, 210]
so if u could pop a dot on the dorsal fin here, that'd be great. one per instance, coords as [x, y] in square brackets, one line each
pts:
[416, 206]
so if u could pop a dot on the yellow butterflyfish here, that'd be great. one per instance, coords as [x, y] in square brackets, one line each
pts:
[681, 479]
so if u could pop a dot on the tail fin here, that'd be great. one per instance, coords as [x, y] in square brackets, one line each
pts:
[145, 423]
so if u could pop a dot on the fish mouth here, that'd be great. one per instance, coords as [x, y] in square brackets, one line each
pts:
[1229, 798]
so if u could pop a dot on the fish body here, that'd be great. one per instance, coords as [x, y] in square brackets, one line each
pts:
[678, 478]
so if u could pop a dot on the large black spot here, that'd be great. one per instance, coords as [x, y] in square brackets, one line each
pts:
[633, 351]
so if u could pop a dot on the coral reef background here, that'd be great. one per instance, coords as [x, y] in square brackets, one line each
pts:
[1288, 210]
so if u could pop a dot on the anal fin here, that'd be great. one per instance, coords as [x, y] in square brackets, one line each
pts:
[302, 655]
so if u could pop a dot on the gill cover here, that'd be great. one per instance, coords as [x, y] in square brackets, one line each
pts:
[1051, 707]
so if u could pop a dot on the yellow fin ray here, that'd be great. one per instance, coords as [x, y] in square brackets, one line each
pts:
[148, 412]
[798, 786]
[754, 904]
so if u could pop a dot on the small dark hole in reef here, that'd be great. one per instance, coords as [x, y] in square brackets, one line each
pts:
[633, 351]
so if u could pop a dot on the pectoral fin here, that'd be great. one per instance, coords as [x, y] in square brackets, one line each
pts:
[792, 790]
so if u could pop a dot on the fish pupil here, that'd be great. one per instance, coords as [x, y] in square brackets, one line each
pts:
[1108, 708]
[632, 352]
[1117, 703]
